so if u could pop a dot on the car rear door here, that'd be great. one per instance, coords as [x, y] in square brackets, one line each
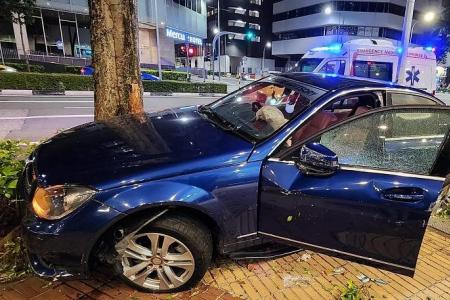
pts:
[376, 207]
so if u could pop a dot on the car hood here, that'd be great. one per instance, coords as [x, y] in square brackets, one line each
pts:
[135, 148]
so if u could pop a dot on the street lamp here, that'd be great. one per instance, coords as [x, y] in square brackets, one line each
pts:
[328, 10]
[217, 37]
[267, 45]
[428, 18]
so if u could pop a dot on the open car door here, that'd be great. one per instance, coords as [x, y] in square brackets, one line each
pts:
[363, 189]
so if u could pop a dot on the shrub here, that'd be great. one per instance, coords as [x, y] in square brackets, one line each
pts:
[167, 86]
[73, 70]
[12, 160]
[69, 82]
[167, 75]
[41, 81]
[23, 67]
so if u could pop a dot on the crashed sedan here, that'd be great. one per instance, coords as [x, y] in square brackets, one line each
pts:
[338, 165]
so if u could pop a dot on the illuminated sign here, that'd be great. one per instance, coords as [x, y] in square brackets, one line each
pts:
[182, 36]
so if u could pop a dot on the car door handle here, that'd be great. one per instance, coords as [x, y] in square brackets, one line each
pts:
[404, 194]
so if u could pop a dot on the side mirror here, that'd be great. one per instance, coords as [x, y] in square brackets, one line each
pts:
[317, 160]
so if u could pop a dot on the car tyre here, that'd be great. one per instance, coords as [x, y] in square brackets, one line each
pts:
[171, 254]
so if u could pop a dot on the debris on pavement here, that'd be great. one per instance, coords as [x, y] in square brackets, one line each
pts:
[305, 256]
[290, 281]
[338, 271]
[365, 279]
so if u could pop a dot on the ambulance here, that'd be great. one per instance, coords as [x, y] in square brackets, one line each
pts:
[376, 59]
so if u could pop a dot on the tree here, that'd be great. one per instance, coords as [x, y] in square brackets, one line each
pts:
[114, 40]
[19, 12]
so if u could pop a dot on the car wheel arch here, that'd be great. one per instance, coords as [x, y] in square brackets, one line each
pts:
[101, 245]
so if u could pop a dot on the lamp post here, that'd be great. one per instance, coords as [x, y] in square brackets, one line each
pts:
[428, 18]
[328, 10]
[158, 46]
[217, 37]
[267, 45]
[406, 35]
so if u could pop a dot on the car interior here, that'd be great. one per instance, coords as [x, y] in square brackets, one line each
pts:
[337, 112]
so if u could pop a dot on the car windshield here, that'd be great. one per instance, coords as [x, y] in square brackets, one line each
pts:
[261, 108]
[307, 64]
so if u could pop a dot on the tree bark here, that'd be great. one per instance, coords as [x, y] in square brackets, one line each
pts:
[114, 40]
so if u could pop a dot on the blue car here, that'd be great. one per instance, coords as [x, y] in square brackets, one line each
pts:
[89, 71]
[344, 166]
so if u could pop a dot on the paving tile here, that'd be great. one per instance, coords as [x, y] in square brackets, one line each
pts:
[258, 280]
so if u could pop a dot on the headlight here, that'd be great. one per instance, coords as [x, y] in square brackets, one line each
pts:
[58, 201]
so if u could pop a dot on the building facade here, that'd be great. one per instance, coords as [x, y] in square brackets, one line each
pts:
[60, 31]
[250, 22]
[301, 25]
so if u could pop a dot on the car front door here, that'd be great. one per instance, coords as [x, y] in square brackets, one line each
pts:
[375, 206]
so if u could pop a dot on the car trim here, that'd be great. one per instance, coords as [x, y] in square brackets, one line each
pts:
[351, 91]
[336, 251]
[247, 235]
[368, 170]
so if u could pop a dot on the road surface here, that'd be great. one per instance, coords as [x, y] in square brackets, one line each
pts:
[34, 118]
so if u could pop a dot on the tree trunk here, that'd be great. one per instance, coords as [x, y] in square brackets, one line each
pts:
[114, 40]
[27, 61]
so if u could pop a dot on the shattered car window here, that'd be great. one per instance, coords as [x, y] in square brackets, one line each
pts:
[404, 140]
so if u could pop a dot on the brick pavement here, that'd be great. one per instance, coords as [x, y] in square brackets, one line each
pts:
[296, 276]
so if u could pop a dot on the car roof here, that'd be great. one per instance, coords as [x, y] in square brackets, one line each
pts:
[331, 82]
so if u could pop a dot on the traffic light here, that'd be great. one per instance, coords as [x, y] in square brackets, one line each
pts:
[250, 35]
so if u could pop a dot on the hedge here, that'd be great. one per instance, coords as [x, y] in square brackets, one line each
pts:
[170, 86]
[73, 70]
[167, 75]
[23, 67]
[69, 82]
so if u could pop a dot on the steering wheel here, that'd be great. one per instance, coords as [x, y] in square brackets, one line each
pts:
[256, 106]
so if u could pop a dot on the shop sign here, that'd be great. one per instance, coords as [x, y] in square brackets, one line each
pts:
[182, 36]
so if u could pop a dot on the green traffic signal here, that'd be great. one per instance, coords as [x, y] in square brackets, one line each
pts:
[250, 35]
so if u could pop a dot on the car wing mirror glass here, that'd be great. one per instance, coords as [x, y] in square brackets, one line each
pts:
[317, 160]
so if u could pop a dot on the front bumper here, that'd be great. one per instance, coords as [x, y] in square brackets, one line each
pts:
[62, 248]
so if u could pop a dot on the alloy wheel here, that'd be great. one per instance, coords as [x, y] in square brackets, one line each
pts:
[157, 261]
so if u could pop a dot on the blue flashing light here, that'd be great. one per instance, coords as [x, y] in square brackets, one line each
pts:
[430, 48]
[331, 48]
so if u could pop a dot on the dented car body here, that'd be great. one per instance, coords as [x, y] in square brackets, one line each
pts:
[358, 185]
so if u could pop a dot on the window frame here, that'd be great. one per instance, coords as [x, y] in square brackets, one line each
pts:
[389, 98]
[288, 153]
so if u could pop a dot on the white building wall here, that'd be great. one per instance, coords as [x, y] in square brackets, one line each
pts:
[300, 46]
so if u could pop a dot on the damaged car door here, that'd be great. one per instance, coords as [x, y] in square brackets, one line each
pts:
[362, 189]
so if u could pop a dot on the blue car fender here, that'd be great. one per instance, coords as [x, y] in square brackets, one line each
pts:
[133, 198]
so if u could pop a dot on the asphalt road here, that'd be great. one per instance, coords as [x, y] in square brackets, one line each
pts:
[34, 118]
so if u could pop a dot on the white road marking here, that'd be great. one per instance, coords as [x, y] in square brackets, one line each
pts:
[46, 101]
[47, 117]
[90, 107]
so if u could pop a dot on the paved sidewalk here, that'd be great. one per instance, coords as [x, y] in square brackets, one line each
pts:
[305, 275]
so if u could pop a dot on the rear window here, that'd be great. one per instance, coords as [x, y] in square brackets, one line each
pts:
[373, 69]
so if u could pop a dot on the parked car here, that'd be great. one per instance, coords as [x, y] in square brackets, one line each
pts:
[89, 71]
[339, 165]
[7, 69]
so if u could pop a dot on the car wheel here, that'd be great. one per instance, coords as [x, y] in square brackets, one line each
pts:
[169, 255]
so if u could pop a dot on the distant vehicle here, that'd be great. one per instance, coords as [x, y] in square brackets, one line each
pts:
[89, 71]
[375, 59]
[7, 69]
[341, 165]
